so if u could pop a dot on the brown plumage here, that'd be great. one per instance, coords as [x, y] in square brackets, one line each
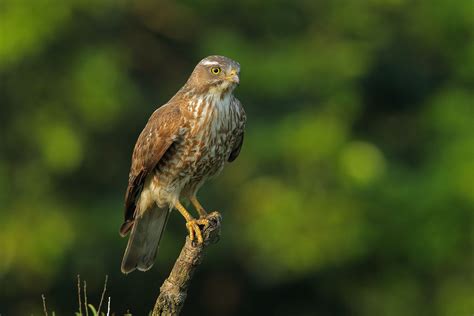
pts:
[185, 142]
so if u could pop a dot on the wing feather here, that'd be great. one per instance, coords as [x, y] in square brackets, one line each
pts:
[161, 131]
[237, 147]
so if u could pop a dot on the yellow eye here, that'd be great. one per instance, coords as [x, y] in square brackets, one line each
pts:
[215, 70]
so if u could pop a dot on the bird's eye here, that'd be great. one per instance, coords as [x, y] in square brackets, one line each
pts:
[215, 70]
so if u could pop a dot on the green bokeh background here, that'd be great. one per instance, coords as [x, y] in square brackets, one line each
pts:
[354, 191]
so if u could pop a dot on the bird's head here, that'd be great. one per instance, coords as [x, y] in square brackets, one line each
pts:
[215, 74]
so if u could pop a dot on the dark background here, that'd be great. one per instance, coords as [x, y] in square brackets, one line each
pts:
[354, 191]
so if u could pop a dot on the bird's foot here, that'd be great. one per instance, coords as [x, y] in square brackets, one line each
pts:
[207, 215]
[197, 226]
[194, 230]
[203, 221]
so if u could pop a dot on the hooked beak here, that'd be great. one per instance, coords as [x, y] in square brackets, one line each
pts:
[233, 76]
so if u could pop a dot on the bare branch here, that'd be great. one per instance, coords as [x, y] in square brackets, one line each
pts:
[103, 293]
[173, 292]
[79, 293]
[45, 310]
[85, 298]
[108, 307]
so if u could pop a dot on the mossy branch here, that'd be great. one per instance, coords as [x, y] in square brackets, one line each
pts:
[174, 290]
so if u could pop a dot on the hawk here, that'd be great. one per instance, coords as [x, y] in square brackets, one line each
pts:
[185, 142]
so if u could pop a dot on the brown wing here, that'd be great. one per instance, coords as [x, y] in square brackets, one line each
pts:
[242, 117]
[236, 150]
[162, 129]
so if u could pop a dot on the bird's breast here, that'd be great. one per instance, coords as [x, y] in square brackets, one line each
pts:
[205, 147]
[211, 134]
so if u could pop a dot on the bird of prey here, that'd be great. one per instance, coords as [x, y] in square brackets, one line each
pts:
[185, 142]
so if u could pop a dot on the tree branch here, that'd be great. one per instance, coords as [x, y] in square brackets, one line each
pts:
[173, 292]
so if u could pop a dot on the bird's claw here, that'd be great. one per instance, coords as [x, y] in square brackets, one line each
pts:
[203, 221]
[194, 230]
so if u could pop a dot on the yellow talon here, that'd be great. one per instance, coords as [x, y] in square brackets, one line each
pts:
[190, 230]
[194, 230]
[193, 224]
[203, 221]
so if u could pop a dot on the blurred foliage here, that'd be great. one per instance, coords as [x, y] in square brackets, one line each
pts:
[353, 194]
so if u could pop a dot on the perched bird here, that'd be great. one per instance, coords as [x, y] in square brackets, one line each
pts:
[185, 142]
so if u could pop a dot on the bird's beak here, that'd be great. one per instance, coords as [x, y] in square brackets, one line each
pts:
[233, 76]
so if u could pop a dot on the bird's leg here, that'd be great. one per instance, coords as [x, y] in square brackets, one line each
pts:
[191, 223]
[202, 212]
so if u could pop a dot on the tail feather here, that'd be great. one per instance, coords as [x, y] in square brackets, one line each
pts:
[144, 239]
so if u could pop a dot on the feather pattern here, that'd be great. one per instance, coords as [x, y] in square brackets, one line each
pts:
[185, 142]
